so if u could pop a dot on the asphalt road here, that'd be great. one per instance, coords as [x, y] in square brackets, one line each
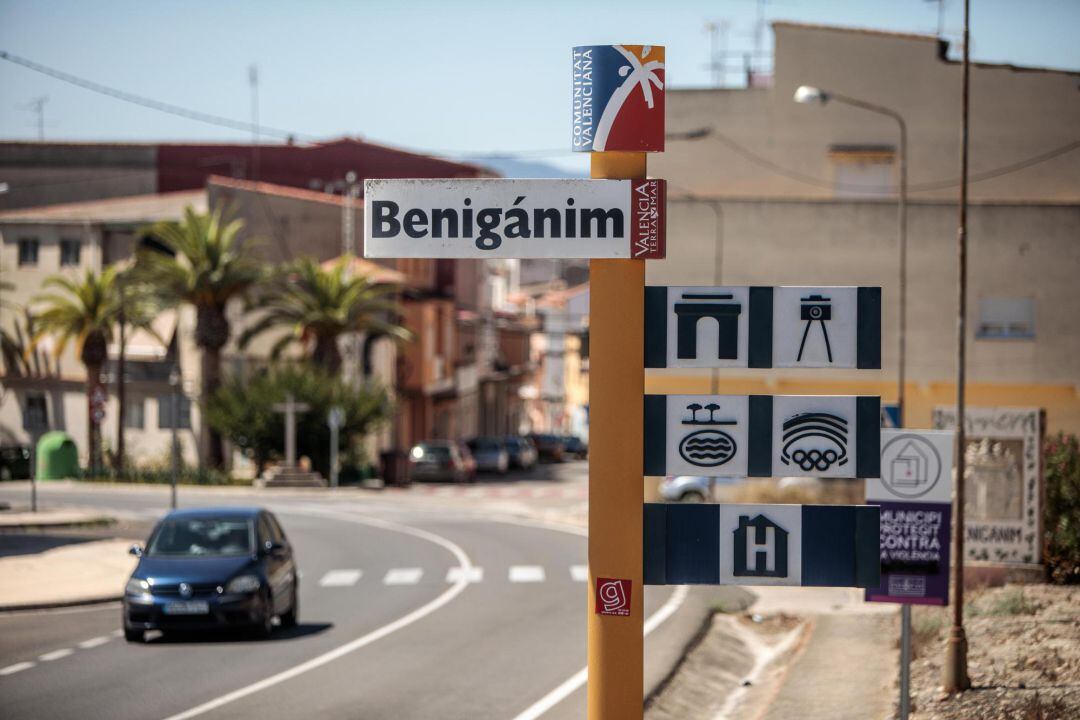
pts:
[488, 641]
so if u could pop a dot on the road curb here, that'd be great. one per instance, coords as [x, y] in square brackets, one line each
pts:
[103, 521]
[58, 604]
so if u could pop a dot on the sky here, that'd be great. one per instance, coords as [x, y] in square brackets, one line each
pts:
[457, 78]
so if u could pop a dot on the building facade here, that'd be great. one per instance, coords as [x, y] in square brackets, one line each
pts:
[772, 192]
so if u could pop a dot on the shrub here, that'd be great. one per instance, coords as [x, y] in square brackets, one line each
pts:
[243, 410]
[1061, 539]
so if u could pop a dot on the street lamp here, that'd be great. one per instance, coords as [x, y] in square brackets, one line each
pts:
[809, 95]
[175, 380]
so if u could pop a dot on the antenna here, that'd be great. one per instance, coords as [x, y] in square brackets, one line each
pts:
[717, 30]
[37, 106]
[253, 81]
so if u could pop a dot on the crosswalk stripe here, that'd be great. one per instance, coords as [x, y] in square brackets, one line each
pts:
[403, 576]
[579, 573]
[457, 573]
[340, 578]
[526, 574]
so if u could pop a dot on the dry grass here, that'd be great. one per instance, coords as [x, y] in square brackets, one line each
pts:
[768, 491]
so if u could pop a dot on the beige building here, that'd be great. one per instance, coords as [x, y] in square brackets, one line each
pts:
[772, 192]
[69, 239]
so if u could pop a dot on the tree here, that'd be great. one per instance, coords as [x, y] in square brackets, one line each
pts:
[203, 265]
[86, 310]
[242, 410]
[317, 306]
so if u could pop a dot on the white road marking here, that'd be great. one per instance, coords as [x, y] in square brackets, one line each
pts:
[340, 578]
[579, 573]
[55, 654]
[17, 667]
[403, 576]
[421, 612]
[526, 574]
[474, 575]
[571, 684]
[94, 642]
[117, 633]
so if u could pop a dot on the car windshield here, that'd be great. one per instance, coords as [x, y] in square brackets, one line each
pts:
[203, 537]
[485, 444]
[434, 452]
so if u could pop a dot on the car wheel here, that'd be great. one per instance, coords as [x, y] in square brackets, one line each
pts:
[265, 627]
[692, 497]
[291, 618]
[134, 636]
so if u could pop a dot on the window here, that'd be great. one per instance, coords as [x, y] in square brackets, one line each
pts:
[1006, 319]
[35, 413]
[28, 251]
[70, 252]
[862, 170]
[135, 414]
[165, 414]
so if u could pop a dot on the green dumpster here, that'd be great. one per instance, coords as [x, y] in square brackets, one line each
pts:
[57, 456]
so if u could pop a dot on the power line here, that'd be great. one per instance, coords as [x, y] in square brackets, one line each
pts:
[916, 187]
[146, 102]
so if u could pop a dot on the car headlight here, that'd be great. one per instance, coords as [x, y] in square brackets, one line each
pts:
[243, 584]
[135, 586]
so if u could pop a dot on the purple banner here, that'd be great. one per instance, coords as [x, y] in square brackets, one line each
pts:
[914, 553]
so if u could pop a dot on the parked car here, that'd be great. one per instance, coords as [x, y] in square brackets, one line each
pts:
[575, 447]
[490, 454]
[549, 448]
[441, 460]
[692, 488]
[521, 451]
[212, 568]
[15, 462]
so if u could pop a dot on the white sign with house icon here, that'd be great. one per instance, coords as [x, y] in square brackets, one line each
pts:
[761, 544]
[916, 466]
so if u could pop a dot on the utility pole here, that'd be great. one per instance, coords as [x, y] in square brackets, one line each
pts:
[121, 389]
[253, 81]
[175, 380]
[348, 225]
[956, 672]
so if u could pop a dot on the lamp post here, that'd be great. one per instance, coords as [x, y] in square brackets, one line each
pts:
[174, 383]
[808, 95]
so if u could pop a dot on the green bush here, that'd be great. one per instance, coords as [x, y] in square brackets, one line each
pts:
[1061, 547]
[160, 476]
[243, 410]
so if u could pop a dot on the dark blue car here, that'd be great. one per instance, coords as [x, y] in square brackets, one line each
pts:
[212, 568]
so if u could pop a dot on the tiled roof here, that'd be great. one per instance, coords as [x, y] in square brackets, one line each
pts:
[130, 209]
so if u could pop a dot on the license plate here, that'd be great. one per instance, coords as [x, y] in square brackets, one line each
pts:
[191, 607]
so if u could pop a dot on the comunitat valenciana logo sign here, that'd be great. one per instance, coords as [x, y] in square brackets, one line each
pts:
[618, 101]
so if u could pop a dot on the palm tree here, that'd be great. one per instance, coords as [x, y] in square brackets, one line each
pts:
[320, 305]
[204, 265]
[86, 310]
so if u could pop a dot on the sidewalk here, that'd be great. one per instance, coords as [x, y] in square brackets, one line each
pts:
[72, 574]
[51, 519]
[847, 666]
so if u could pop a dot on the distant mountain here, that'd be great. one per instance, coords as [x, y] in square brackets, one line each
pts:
[511, 168]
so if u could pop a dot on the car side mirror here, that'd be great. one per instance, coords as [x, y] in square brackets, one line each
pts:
[272, 547]
[135, 550]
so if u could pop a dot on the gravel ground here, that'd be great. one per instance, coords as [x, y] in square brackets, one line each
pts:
[1023, 656]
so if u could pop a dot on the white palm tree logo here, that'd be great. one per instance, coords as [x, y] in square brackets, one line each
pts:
[636, 74]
